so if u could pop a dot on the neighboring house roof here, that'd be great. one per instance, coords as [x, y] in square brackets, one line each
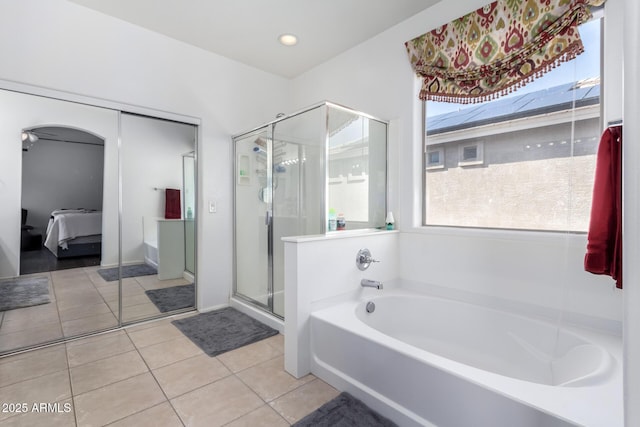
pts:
[557, 98]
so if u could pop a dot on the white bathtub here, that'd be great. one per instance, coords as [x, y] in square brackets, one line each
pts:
[423, 360]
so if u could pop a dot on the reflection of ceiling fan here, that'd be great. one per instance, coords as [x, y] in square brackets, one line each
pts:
[59, 134]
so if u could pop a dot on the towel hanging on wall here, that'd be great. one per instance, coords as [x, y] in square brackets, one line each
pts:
[172, 204]
[604, 240]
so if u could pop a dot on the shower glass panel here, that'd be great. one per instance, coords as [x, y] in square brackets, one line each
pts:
[253, 217]
[189, 209]
[357, 165]
[298, 184]
[289, 175]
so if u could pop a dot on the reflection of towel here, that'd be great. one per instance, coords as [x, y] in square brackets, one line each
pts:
[172, 204]
[604, 241]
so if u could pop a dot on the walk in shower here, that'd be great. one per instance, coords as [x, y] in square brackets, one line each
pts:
[300, 175]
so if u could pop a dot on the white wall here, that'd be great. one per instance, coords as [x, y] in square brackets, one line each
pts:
[58, 174]
[84, 52]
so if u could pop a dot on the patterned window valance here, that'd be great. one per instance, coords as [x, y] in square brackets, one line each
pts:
[498, 48]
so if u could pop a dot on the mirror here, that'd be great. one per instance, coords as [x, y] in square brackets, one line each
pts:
[158, 216]
[60, 173]
[357, 168]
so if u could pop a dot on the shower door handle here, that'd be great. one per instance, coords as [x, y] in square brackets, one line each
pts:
[267, 218]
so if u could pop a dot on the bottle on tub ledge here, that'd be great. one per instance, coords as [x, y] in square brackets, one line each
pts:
[340, 222]
[333, 221]
[389, 221]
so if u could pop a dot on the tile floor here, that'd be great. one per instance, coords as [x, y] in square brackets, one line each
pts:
[151, 375]
[81, 302]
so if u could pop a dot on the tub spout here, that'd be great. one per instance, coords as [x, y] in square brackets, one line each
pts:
[366, 283]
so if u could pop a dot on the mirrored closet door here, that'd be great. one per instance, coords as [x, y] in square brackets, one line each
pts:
[158, 216]
[97, 219]
[58, 221]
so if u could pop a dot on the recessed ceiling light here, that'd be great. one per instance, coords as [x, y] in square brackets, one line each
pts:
[288, 39]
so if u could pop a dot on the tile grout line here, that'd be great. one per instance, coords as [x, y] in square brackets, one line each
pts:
[157, 382]
[73, 397]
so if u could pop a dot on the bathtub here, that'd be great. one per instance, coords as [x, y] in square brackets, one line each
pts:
[425, 360]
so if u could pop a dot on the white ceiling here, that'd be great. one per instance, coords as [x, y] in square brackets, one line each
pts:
[247, 30]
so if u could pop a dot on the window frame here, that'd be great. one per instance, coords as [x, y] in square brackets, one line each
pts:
[598, 14]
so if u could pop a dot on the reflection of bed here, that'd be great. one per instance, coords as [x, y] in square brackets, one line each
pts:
[74, 232]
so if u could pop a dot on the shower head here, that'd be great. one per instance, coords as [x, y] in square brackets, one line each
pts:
[259, 150]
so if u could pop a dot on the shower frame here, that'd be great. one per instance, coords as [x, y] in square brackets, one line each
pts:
[270, 128]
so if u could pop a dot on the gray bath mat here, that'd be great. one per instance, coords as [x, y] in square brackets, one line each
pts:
[173, 298]
[111, 274]
[23, 292]
[344, 411]
[223, 330]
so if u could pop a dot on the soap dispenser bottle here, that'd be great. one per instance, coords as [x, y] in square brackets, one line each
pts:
[332, 220]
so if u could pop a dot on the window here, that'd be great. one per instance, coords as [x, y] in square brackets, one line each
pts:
[435, 158]
[522, 161]
[470, 154]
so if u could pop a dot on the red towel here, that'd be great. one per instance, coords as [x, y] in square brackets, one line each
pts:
[172, 204]
[604, 241]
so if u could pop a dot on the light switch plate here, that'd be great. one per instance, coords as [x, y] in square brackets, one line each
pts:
[213, 208]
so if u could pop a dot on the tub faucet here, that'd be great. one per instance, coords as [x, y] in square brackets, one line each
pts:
[366, 283]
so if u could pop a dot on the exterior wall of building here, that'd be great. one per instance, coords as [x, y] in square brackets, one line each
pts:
[529, 179]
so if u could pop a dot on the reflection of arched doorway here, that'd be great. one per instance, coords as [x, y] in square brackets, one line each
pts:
[62, 192]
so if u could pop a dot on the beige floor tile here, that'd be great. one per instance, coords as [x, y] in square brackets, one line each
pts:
[263, 416]
[129, 300]
[32, 364]
[277, 342]
[189, 374]
[157, 322]
[269, 379]
[35, 314]
[89, 324]
[118, 400]
[249, 355]
[152, 282]
[47, 388]
[90, 349]
[140, 311]
[24, 325]
[84, 311]
[161, 415]
[296, 404]
[57, 414]
[217, 403]
[36, 336]
[100, 373]
[159, 333]
[78, 300]
[168, 352]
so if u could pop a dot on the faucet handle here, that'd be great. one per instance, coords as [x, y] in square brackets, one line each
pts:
[364, 259]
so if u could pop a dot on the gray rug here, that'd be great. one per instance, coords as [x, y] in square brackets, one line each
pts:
[223, 330]
[344, 411]
[23, 292]
[111, 274]
[173, 298]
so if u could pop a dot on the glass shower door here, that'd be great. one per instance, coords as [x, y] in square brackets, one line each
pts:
[253, 210]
